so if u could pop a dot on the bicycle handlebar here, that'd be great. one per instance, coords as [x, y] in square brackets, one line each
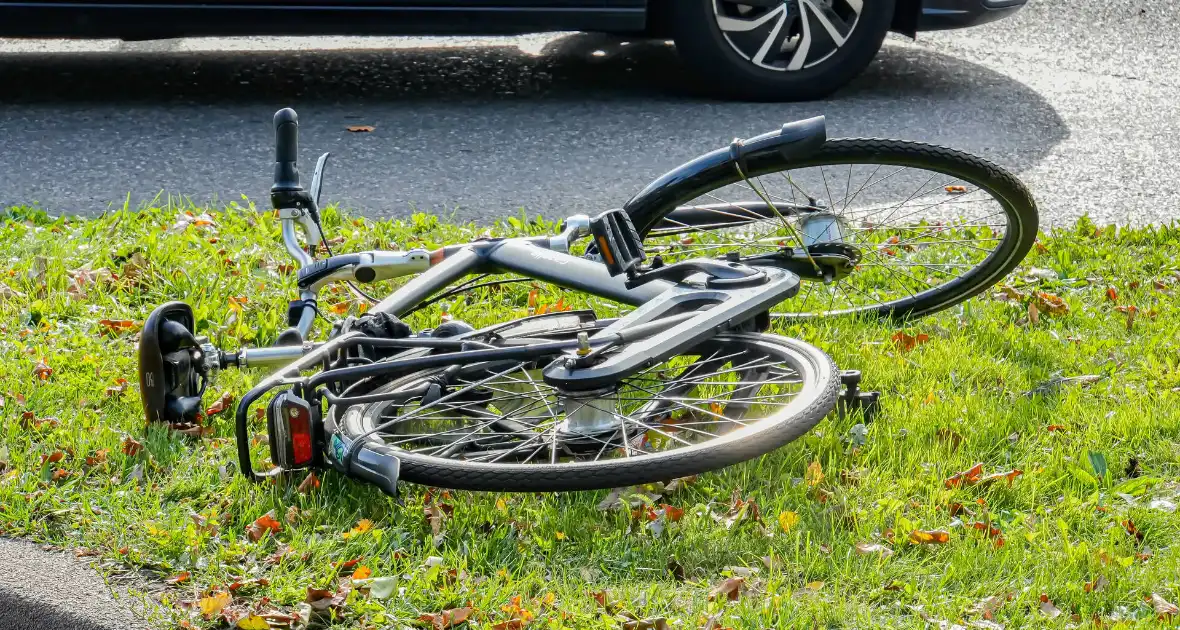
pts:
[286, 123]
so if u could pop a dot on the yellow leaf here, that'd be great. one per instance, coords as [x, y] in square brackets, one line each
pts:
[362, 526]
[502, 505]
[814, 586]
[787, 520]
[361, 573]
[560, 535]
[814, 474]
[253, 622]
[213, 604]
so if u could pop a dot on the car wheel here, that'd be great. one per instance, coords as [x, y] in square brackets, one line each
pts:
[778, 50]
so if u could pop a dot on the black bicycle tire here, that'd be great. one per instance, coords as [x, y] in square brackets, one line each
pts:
[719, 453]
[1014, 196]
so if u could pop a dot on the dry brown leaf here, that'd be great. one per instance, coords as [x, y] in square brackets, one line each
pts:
[179, 578]
[360, 128]
[967, 477]
[729, 588]
[1163, 607]
[42, 370]
[1111, 294]
[361, 573]
[131, 447]
[1048, 608]
[1096, 585]
[309, 483]
[220, 405]
[447, 618]
[118, 388]
[929, 537]
[870, 549]
[117, 326]
[263, 525]
[1034, 315]
[908, 342]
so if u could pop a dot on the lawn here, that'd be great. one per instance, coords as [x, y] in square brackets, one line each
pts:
[995, 488]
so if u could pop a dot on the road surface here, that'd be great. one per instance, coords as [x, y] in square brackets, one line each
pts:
[1080, 98]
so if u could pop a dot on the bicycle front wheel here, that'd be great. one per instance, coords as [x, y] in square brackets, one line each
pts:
[498, 426]
[927, 226]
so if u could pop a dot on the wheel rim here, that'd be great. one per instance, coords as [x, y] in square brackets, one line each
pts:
[918, 231]
[787, 35]
[727, 390]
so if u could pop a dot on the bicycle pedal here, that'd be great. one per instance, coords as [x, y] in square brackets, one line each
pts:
[854, 399]
[618, 242]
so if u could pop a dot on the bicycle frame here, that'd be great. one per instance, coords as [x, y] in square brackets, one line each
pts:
[669, 318]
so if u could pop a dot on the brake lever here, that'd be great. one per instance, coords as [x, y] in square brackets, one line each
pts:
[317, 182]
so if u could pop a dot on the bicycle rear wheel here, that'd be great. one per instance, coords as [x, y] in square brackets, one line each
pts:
[499, 426]
[929, 226]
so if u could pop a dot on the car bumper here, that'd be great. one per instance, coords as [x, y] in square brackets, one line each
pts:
[939, 15]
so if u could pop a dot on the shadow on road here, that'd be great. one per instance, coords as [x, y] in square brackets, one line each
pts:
[586, 122]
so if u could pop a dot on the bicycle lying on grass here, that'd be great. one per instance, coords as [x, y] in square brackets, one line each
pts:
[688, 381]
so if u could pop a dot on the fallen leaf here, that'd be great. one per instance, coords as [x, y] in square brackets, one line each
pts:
[119, 387]
[60, 473]
[220, 405]
[814, 586]
[730, 588]
[787, 520]
[263, 525]
[42, 370]
[1009, 476]
[1112, 295]
[1129, 525]
[1163, 607]
[967, 477]
[657, 623]
[672, 513]
[447, 618]
[253, 622]
[213, 604]
[53, 457]
[1055, 427]
[1034, 315]
[309, 483]
[362, 526]
[131, 447]
[361, 573]
[1050, 303]
[956, 190]
[382, 587]
[868, 549]
[1048, 608]
[988, 606]
[360, 128]
[908, 342]
[98, 457]
[814, 474]
[1096, 585]
[929, 537]
[116, 326]
[179, 578]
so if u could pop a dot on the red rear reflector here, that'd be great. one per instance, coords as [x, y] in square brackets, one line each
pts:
[300, 429]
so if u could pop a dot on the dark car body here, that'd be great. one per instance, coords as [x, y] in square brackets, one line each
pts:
[162, 19]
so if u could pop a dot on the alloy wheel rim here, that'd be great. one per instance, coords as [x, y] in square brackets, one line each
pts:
[787, 35]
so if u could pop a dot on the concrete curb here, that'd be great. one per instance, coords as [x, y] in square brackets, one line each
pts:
[43, 590]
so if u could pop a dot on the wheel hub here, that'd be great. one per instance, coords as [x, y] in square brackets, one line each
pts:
[589, 413]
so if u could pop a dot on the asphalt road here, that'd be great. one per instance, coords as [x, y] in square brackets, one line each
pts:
[1080, 98]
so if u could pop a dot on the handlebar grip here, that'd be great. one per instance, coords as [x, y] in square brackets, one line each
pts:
[286, 151]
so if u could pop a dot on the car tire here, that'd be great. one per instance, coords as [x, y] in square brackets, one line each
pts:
[794, 50]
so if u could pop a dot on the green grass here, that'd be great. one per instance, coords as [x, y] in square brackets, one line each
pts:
[956, 400]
